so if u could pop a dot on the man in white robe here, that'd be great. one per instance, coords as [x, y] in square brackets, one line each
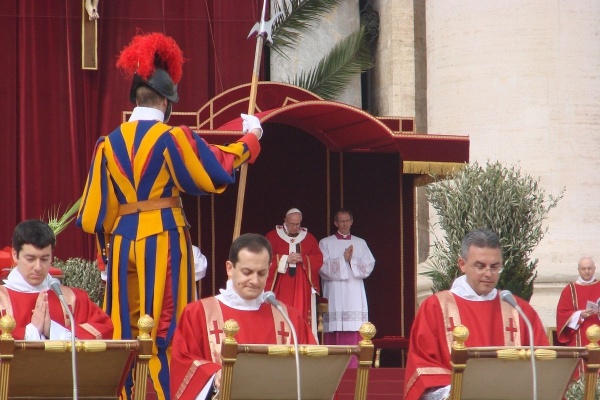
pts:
[347, 261]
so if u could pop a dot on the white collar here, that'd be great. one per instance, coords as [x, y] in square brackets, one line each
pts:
[16, 282]
[461, 288]
[582, 281]
[232, 299]
[146, 114]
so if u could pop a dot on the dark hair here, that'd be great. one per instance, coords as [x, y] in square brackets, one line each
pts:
[479, 238]
[342, 211]
[33, 232]
[253, 242]
[145, 96]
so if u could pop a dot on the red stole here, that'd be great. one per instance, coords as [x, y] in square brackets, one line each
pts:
[451, 313]
[216, 334]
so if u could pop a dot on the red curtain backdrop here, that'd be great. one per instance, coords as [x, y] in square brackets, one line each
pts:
[53, 111]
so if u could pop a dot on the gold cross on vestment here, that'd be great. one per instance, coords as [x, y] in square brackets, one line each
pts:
[512, 329]
[216, 331]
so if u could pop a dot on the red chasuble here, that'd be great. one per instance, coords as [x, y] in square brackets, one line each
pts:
[575, 297]
[296, 290]
[428, 363]
[92, 322]
[196, 343]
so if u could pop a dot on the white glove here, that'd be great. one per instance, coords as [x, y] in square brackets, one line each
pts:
[249, 123]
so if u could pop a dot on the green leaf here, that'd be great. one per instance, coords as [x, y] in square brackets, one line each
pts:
[82, 274]
[503, 199]
[329, 78]
[298, 16]
[59, 223]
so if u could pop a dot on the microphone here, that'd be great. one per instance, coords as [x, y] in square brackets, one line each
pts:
[55, 286]
[508, 297]
[270, 298]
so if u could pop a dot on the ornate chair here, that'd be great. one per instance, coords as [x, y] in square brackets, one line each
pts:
[499, 373]
[256, 371]
[42, 369]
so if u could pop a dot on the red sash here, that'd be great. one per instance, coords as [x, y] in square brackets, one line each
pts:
[214, 326]
[451, 313]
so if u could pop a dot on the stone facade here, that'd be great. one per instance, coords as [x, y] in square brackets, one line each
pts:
[520, 78]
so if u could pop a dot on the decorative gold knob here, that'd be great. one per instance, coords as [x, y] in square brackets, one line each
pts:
[145, 325]
[460, 334]
[593, 335]
[7, 325]
[231, 328]
[367, 331]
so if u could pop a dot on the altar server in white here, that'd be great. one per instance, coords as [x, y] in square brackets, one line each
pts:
[347, 260]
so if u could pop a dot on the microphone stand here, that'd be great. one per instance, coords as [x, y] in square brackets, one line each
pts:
[296, 352]
[55, 286]
[270, 297]
[508, 297]
[530, 330]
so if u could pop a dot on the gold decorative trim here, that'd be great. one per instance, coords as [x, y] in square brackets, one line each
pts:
[431, 167]
[91, 346]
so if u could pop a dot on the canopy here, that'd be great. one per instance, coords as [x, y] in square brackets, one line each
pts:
[340, 127]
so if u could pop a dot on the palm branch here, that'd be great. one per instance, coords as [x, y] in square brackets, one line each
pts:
[298, 15]
[329, 78]
[59, 222]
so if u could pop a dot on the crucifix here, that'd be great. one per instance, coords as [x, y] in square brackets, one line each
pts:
[89, 34]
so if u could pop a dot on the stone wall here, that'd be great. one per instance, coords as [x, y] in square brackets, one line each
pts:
[520, 78]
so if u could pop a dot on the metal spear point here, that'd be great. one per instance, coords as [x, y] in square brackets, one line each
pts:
[262, 29]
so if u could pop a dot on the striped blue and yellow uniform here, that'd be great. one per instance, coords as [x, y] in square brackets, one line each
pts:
[148, 268]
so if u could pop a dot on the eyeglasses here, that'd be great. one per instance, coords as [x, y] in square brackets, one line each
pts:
[482, 270]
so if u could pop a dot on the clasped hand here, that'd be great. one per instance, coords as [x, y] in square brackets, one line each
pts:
[348, 253]
[40, 315]
[294, 258]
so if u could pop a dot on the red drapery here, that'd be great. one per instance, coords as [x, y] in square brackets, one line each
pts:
[53, 111]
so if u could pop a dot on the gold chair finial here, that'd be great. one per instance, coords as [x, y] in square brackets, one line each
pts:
[367, 331]
[593, 335]
[460, 334]
[145, 325]
[7, 325]
[231, 328]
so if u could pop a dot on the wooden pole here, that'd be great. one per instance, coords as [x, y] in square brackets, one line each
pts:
[239, 209]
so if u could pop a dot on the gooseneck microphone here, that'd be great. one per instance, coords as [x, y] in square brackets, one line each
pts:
[55, 286]
[271, 299]
[508, 297]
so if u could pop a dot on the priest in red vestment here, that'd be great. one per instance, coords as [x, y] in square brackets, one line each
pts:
[27, 296]
[195, 359]
[294, 270]
[473, 301]
[577, 307]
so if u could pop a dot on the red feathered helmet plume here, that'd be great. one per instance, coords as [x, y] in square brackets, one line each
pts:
[154, 60]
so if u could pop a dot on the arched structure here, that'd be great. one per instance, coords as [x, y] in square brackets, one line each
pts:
[319, 155]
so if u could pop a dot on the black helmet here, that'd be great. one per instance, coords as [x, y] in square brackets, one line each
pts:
[153, 60]
[160, 81]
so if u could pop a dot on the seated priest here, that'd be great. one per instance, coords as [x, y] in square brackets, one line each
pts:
[473, 301]
[27, 296]
[196, 350]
